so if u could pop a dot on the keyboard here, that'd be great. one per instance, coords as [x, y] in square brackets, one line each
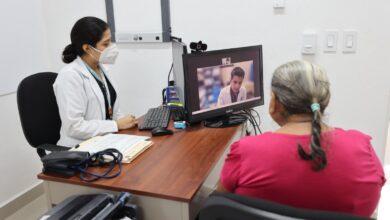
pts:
[155, 117]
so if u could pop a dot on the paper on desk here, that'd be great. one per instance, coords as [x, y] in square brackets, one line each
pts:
[136, 150]
[129, 145]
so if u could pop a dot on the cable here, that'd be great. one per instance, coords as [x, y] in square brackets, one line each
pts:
[246, 128]
[250, 119]
[249, 112]
[258, 116]
[176, 38]
[169, 74]
[164, 96]
[254, 119]
[97, 159]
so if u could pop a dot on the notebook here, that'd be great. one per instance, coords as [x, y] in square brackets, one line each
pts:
[129, 145]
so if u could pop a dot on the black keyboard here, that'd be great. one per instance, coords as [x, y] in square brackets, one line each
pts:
[156, 117]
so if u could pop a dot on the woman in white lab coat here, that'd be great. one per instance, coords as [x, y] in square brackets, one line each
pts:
[86, 96]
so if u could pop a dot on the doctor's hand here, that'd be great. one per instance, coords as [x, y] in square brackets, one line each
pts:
[126, 122]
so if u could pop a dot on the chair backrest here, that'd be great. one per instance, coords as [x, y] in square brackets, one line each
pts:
[227, 206]
[38, 109]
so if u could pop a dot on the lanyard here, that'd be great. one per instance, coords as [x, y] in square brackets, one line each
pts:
[104, 90]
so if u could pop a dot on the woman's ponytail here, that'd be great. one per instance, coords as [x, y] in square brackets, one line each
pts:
[317, 155]
[69, 54]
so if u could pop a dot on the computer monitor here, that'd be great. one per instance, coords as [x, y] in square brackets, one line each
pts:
[178, 50]
[221, 82]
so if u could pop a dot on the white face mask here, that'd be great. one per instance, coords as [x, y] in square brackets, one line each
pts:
[108, 55]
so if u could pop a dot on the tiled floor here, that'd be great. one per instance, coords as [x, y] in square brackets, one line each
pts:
[33, 210]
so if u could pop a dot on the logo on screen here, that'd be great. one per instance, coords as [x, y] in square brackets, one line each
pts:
[226, 61]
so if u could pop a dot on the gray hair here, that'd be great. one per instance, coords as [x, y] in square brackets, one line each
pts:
[297, 85]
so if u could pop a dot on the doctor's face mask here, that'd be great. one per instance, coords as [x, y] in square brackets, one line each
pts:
[108, 55]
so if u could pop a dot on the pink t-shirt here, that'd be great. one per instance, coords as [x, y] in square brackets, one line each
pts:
[268, 167]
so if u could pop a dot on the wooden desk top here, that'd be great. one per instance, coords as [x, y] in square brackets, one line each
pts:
[174, 167]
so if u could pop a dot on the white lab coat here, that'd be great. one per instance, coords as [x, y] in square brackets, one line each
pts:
[225, 98]
[81, 105]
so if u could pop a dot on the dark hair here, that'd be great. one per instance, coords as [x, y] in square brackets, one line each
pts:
[297, 85]
[237, 71]
[87, 30]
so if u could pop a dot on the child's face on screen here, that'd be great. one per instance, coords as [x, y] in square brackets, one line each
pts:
[235, 83]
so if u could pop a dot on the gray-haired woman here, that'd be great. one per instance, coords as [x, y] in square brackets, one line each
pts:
[306, 163]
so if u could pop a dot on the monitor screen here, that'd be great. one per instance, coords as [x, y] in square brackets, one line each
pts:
[223, 81]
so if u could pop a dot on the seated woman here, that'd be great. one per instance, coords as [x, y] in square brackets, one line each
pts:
[86, 96]
[306, 163]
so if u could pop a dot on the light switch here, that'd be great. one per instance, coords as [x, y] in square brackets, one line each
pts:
[279, 3]
[331, 38]
[350, 41]
[309, 44]
[331, 41]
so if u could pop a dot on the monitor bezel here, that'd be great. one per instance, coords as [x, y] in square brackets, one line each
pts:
[228, 109]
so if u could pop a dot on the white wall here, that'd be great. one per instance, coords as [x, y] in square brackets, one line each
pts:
[140, 71]
[19, 163]
[360, 82]
[22, 42]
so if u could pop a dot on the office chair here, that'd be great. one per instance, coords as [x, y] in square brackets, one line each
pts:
[228, 206]
[38, 111]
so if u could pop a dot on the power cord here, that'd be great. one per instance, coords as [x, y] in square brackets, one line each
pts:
[252, 120]
[169, 74]
[258, 116]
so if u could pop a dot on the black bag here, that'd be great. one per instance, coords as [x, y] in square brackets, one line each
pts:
[63, 162]
[69, 163]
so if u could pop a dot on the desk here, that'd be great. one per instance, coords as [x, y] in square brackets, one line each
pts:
[169, 180]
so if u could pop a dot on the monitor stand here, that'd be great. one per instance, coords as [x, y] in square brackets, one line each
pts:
[224, 121]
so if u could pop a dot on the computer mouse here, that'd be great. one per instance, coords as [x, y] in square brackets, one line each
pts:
[159, 131]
